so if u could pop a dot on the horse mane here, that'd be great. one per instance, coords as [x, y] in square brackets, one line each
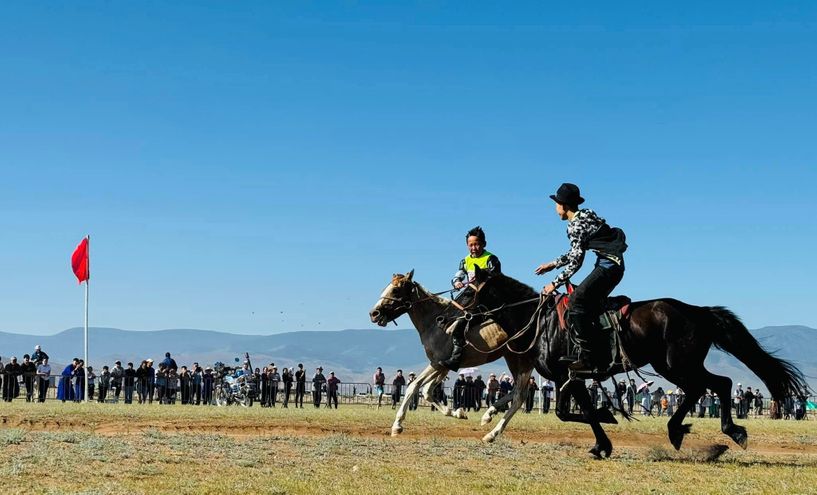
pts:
[513, 289]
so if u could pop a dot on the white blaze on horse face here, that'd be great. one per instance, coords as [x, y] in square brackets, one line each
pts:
[387, 293]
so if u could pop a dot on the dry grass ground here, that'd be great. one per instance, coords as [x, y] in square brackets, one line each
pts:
[77, 448]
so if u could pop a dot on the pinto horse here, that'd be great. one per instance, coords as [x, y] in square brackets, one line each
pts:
[405, 296]
[670, 335]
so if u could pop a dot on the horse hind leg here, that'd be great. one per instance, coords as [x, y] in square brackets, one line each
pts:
[722, 386]
[494, 408]
[519, 394]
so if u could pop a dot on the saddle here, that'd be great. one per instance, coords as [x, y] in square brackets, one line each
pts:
[607, 340]
[616, 311]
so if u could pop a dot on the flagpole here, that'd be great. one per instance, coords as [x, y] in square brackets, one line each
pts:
[87, 281]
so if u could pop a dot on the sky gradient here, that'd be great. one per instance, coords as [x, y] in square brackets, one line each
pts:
[261, 167]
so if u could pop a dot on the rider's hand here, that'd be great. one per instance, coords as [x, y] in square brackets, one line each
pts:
[548, 289]
[458, 285]
[544, 268]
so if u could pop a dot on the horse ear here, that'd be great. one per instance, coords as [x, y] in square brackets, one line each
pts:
[479, 274]
[409, 275]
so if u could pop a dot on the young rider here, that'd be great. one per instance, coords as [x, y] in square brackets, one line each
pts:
[586, 231]
[477, 257]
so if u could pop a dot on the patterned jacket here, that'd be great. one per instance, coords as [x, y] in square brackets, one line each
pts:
[585, 223]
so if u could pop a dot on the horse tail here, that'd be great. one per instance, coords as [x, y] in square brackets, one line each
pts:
[781, 377]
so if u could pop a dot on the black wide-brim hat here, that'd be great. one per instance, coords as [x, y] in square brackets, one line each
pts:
[568, 194]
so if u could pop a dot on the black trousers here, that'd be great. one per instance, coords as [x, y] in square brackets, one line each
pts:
[332, 397]
[43, 386]
[117, 389]
[287, 391]
[300, 390]
[29, 383]
[273, 393]
[587, 301]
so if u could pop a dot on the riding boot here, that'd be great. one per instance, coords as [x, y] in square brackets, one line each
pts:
[458, 336]
[582, 326]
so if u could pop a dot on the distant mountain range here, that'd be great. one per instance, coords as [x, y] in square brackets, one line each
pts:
[352, 354]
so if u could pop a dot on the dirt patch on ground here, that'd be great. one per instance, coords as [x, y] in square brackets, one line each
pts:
[458, 431]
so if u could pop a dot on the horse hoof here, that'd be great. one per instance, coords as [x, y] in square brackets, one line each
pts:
[461, 414]
[396, 430]
[600, 452]
[489, 438]
[740, 436]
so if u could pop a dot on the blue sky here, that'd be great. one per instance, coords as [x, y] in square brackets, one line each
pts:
[259, 167]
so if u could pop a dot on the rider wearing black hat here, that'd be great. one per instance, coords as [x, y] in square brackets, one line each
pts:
[586, 231]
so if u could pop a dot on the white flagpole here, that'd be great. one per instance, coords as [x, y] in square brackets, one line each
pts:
[88, 257]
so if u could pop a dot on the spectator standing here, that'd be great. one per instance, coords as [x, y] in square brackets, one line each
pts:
[748, 401]
[172, 385]
[265, 387]
[38, 355]
[169, 363]
[79, 381]
[479, 390]
[493, 390]
[318, 382]
[631, 393]
[274, 380]
[104, 383]
[414, 400]
[505, 388]
[547, 395]
[43, 378]
[758, 403]
[195, 384]
[379, 381]
[12, 371]
[532, 388]
[143, 384]
[151, 379]
[397, 388]
[207, 382]
[29, 372]
[332, 390]
[64, 389]
[129, 382]
[300, 386]
[117, 373]
[470, 393]
[286, 377]
[185, 384]
[737, 400]
[459, 392]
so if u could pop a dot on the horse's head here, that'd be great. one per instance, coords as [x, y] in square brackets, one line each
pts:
[395, 299]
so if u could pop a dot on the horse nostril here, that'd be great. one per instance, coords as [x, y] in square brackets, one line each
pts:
[374, 314]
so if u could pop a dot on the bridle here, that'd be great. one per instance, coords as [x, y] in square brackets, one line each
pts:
[402, 304]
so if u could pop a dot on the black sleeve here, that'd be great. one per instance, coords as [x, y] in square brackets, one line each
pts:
[493, 264]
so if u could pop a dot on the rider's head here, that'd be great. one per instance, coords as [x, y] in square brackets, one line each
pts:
[475, 239]
[567, 199]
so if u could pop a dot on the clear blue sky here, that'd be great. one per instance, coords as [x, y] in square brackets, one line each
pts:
[259, 167]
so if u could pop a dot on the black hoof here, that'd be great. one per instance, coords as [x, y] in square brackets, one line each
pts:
[676, 435]
[740, 436]
[601, 452]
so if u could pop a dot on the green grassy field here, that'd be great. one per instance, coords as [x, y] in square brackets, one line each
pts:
[95, 448]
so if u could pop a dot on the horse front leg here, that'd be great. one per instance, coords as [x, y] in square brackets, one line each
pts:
[412, 390]
[520, 393]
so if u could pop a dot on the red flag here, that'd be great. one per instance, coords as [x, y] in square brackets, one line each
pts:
[79, 261]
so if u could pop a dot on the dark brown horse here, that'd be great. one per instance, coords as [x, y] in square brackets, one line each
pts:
[672, 336]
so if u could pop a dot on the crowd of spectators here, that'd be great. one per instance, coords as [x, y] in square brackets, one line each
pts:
[168, 383]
